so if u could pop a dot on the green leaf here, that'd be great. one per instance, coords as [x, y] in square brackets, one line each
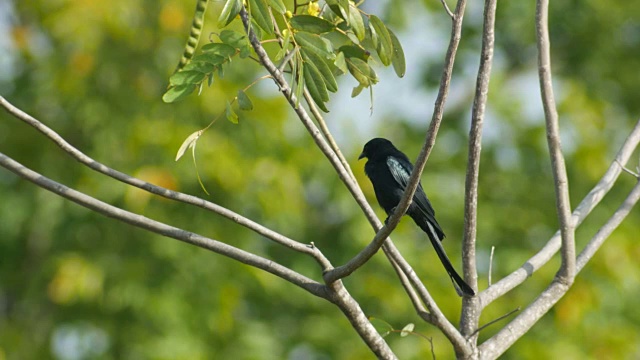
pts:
[278, 6]
[224, 50]
[186, 77]
[233, 38]
[300, 79]
[178, 93]
[340, 63]
[312, 24]
[356, 23]
[352, 51]
[229, 12]
[315, 43]
[398, 61]
[200, 66]
[339, 7]
[285, 47]
[323, 68]
[243, 101]
[383, 45]
[357, 90]
[362, 72]
[188, 143]
[260, 14]
[230, 114]
[315, 85]
[210, 58]
[237, 40]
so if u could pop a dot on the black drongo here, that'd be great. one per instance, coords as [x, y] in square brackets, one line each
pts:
[389, 170]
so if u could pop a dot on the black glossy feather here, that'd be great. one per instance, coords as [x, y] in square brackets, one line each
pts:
[389, 170]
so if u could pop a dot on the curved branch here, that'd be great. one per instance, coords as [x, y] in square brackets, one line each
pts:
[158, 190]
[157, 227]
[519, 326]
[563, 204]
[579, 214]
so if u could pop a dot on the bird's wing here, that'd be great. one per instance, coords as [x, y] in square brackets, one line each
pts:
[401, 169]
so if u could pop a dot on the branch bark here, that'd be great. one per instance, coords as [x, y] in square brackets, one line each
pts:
[519, 326]
[158, 190]
[143, 222]
[590, 201]
[471, 310]
[563, 205]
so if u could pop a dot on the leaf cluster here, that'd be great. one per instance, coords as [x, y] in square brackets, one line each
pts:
[318, 43]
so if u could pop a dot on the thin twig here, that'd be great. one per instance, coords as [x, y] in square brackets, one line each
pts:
[446, 8]
[495, 320]
[624, 168]
[491, 264]
[563, 205]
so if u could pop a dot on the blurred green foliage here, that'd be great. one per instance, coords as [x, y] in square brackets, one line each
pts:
[76, 285]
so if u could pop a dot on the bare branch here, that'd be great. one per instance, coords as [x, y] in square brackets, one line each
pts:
[606, 230]
[350, 308]
[140, 221]
[470, 314]
[166, 193]
[436, 119]
[501, 341]
[496, 320]
[579, 214]
[567, 227]
[436, 317]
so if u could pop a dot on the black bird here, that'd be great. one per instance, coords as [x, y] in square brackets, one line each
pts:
[389, 170]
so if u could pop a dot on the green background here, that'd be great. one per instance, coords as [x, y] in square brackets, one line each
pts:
[76, 285]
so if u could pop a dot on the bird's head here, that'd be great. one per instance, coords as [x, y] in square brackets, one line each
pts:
[377, 147]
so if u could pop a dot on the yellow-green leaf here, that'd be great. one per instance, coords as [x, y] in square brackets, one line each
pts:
[311, 24]
[278, 6]
[244, 103]
[229, 12]
[398, 61]
[230, 114]
[315, 43]
[177, 93]
[323, 67]
[356, 22]
[362, 72]
[383, 45]
[220, 49]
[186, 77]
[315, 85]
[260, 14]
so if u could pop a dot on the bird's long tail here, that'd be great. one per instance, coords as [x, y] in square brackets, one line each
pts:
[462, 288]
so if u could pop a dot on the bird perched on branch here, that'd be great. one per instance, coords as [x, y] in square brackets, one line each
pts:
[389, 170]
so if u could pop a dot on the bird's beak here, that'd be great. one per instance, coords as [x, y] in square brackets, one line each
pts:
[362, 156]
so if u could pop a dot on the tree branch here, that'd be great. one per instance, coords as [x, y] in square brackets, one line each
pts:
[606, 230]
[519, 326]
[567, 227]
[157, 190]
[579, 214]
[470, 310]
[143, 222]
